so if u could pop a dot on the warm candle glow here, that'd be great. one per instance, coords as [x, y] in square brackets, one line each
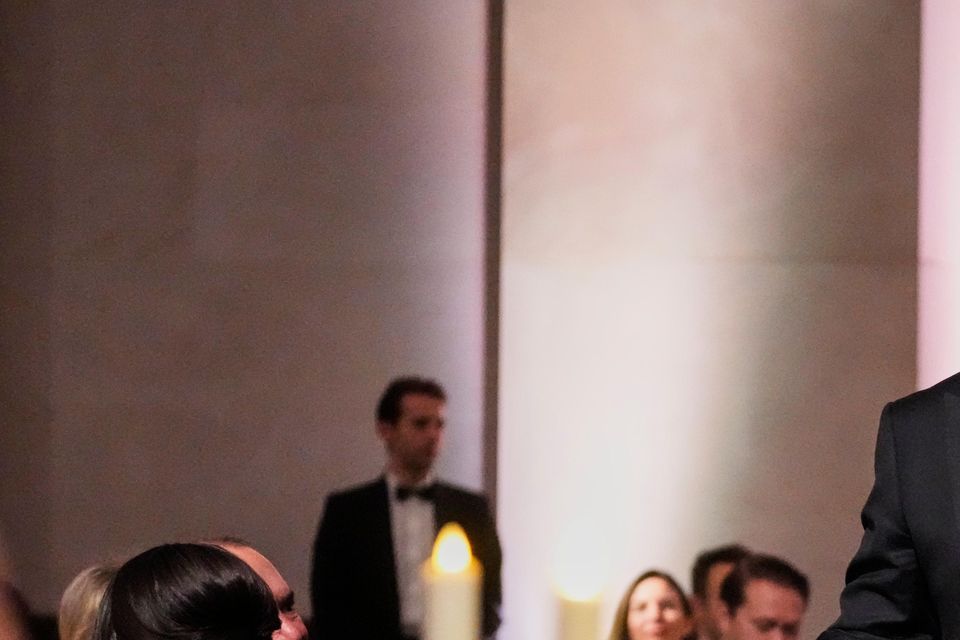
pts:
[451, 551]
[452, 588]
[579, 571]
[578, 619]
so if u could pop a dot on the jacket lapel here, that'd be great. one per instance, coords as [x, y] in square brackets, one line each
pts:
[380, 523]
[441, 508]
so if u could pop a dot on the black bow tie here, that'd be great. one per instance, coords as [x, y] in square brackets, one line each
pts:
[427, 492]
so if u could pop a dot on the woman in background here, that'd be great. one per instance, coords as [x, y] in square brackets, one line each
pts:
[81, 601]
[654, 607]
[186, 592]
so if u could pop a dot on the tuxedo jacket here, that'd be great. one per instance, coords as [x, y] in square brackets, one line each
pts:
[904, 581]
[353, 587]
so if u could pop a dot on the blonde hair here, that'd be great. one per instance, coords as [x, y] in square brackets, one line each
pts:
[81, 602]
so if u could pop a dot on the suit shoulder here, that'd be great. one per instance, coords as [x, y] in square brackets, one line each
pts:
[921, 421]
[357, 494]
[463, 495]
[459, 490]
[923, 401]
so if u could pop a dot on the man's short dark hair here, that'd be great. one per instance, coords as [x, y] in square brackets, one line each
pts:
[727, 554]
[761, 567]
[388, 409]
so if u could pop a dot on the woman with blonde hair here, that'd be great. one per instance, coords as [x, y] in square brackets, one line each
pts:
[81, 601]
[654, 607]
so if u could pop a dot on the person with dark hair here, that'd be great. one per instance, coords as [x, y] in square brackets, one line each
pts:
[292, 626]
[373, 539]
[390, 405]
[904, 580]
[653, 607]
[765, 597]
[709, 571]
[186, 592]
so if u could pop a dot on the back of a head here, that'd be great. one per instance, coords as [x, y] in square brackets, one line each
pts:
[726, 554]
[81, 601]
[186, 592]
[761, 567]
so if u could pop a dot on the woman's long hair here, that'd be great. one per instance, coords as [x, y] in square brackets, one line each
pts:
[186, 592]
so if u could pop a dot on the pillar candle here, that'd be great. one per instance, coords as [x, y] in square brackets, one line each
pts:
[451, 588]
[578, 619]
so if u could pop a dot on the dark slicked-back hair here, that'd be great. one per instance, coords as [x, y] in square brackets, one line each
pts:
[761, 567]
[186, 592]
[388, 409]
[727, 554]
[619, 629]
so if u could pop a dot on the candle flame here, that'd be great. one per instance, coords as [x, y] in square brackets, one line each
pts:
[451, 551]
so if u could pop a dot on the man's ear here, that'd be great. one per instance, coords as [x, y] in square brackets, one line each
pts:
[725, 619]
[384, 429]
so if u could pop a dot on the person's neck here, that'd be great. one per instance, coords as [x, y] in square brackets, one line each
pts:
[408, 477]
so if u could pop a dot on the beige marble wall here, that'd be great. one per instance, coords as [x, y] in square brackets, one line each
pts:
[224, 228]
[708, 284]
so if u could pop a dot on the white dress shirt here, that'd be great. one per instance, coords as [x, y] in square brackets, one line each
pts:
[412, 523]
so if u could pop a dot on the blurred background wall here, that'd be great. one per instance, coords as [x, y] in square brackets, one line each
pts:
[708, 285]
[224, 228]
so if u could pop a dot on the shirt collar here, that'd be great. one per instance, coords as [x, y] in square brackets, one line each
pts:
[393, 482]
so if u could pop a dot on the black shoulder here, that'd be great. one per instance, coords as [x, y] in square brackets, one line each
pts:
[923, 402]
[463, 495]
[358, 494]
[924, 421]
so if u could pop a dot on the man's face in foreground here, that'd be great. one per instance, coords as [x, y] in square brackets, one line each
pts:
[770, 611]
[291, 624]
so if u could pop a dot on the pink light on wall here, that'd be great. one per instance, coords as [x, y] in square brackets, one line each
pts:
[938, 340]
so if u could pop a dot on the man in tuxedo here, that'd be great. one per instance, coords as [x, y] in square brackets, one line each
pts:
[765, 599]
[904, 580]
[709, 571]
[373, 539]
